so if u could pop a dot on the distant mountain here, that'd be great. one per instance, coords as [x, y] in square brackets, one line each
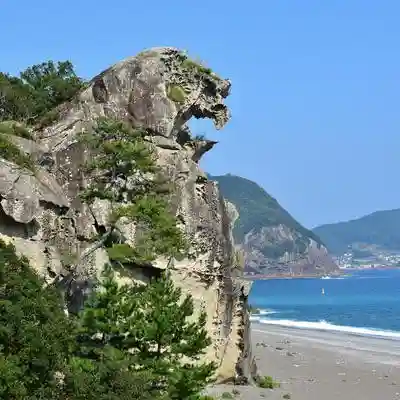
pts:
[273, 241]
[380, 229]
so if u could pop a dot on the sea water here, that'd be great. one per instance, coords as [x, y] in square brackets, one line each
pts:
[366, 303]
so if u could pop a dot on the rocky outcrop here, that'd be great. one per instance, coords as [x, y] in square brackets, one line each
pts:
[310, 259]
[274, 243]
[41, 213]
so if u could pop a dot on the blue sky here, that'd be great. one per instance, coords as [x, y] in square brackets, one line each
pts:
[315, 85]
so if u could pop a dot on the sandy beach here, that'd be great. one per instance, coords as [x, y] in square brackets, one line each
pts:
[316, 365]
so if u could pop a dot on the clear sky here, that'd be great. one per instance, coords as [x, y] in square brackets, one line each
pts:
[315, 84]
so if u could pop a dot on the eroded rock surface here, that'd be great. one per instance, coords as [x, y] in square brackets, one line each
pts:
[160, 90]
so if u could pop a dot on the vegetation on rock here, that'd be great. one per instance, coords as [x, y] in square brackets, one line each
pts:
[194, 66]
[11, 152]
[176, 93]
[15, 128]
[122, 167]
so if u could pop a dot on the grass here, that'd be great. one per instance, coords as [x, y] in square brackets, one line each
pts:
[15, 128]
[196, 66]
[176, 93]
[227, 395]
[10, 152]
[267, 382]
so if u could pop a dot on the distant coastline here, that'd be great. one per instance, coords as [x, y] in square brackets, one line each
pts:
[343, 271]
[289, 276]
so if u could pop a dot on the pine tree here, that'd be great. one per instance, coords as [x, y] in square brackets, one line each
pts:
[151, 323]
[35, 335]
[123, 170]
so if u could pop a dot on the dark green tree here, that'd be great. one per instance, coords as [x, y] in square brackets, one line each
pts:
[37, 91]
[36, 336]
[107, 374]
[39, 357]
[154, 326]
[52, 84]
[17, 101]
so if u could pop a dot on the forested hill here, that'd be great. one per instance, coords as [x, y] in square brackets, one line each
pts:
[274, 242]
[380, 228]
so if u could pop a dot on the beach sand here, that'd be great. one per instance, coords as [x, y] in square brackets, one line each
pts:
[322, 365]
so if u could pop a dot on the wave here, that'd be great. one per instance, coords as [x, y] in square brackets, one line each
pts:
[267, 312]
[326, 326]
[258, 317]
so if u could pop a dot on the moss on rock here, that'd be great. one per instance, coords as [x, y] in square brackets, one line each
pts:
[176, 93]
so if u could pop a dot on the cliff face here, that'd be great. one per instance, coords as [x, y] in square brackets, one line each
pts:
[41, 213]
[272, 240]
[311, 258]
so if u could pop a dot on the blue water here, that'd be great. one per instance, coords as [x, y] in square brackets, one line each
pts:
[367, 302]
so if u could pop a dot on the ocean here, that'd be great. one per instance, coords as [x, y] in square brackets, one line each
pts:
[366, 303]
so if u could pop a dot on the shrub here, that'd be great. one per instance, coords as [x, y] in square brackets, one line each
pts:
[267, 382]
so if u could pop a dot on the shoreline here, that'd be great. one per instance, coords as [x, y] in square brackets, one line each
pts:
[308, 276]
[315, 365]
[341, 272]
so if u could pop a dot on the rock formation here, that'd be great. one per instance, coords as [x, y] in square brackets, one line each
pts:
[159, 89]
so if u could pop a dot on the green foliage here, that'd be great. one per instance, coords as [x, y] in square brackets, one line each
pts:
[15, 128]
[121, 166]
[196, 66]
[108, 375]
[150, 328]
[35, 334]
[38, 90]
[267, 382]
[40, 353]
[119, 162]
[379, 228]
[17, 100]
[227, 395]
[193, 66]
[9, 151]
[52, 83]
[176, 93]
[257, 209]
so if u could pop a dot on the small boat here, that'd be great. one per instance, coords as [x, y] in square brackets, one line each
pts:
[323, 291]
